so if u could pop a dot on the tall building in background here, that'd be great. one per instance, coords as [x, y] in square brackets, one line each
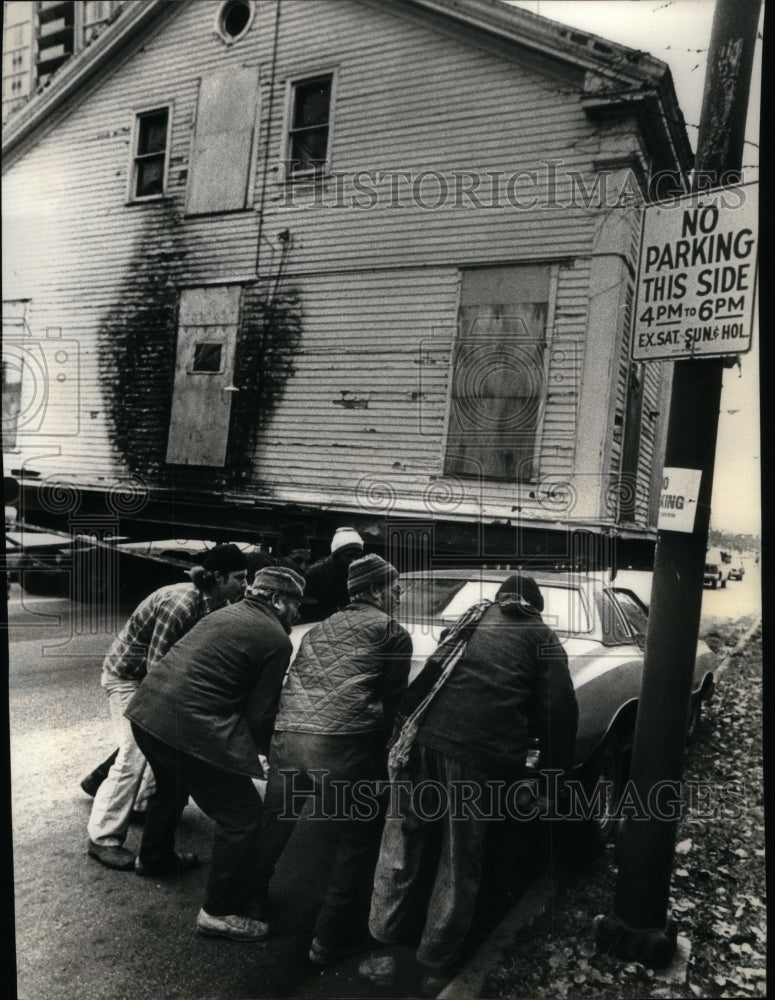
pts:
[39, 35]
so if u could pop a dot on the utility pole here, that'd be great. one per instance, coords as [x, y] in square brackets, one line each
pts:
[640, 927]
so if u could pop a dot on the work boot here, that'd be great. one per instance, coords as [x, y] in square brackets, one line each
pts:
[177, 864]
[235, 927]
[112, 857]
[321, 954]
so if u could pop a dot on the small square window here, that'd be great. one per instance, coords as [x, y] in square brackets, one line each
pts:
[207, 358]
[310, 117]
[150, 159]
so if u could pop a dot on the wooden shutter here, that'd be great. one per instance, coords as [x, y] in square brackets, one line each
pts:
[498, 377]
[201, 409]
[218, 175]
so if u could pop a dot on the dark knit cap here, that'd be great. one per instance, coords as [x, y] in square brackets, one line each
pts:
[370, 569]
[280, 580]
[524, 587]
[225, 559]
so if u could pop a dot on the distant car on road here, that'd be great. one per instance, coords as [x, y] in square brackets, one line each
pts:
[737, 569]
[717, 568]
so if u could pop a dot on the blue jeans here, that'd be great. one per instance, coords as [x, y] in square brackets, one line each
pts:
[323, 768]
[456, 884]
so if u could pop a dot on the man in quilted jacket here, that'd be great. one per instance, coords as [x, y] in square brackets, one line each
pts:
[333, 722]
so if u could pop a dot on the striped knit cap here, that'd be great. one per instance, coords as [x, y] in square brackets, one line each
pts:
[370, 569]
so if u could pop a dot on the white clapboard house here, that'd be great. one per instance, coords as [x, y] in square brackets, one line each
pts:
[361, 262]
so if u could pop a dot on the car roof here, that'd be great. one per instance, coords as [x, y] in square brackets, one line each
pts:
[558, 577]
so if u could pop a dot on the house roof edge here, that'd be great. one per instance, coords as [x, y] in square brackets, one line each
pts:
[78, 70]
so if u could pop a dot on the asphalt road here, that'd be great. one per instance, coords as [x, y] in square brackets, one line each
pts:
[84, 932]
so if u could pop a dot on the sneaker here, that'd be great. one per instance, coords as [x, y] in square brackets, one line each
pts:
[321, 954]
[234, 927]
[112, 857]
[435, 981]
[379, 969]
[179, 863]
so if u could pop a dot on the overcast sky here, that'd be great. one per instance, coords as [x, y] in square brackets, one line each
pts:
[678, 31]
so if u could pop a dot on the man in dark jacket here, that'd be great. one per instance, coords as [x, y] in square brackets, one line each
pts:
[503, 678]
[201, 719]
[331, 731]
[327, 578]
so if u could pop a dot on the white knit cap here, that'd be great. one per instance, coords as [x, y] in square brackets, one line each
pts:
[345, 538]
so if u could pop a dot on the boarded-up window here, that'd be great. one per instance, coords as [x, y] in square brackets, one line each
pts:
[219, 173]
[204, 369]
[310, 123]
[498, 373]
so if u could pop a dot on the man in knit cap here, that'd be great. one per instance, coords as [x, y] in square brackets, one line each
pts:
[202, 718]
[333, 722]
[499, 674]
[327, 578]
[152, 629]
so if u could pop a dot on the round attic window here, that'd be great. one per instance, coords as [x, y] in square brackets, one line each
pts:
[233, 19]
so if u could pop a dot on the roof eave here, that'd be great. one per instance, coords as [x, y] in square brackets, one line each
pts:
[78, 71]
[621, 76]
[551, 38]
[662, 127]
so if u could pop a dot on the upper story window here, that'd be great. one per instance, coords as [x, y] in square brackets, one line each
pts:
[233, 19]
[151, 143]
[310, 120]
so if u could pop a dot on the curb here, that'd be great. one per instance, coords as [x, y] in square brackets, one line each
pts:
[470, 980]
[531, 905]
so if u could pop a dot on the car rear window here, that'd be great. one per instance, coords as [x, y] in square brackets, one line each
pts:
[447, 598]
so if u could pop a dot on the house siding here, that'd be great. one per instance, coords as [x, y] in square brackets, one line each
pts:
[364, 414]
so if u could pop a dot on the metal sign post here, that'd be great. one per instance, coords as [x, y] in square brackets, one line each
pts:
[674, 276]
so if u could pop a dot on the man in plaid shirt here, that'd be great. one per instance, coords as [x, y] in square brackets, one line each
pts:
[152, 629]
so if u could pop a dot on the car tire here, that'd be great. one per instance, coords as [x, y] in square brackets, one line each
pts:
[607, 765]
[714, 584]
[723, 583]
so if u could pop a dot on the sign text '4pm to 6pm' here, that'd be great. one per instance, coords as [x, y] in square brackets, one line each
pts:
[697, 276]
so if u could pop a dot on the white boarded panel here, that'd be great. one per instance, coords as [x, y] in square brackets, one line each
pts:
[220, 158]
[207, 330]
